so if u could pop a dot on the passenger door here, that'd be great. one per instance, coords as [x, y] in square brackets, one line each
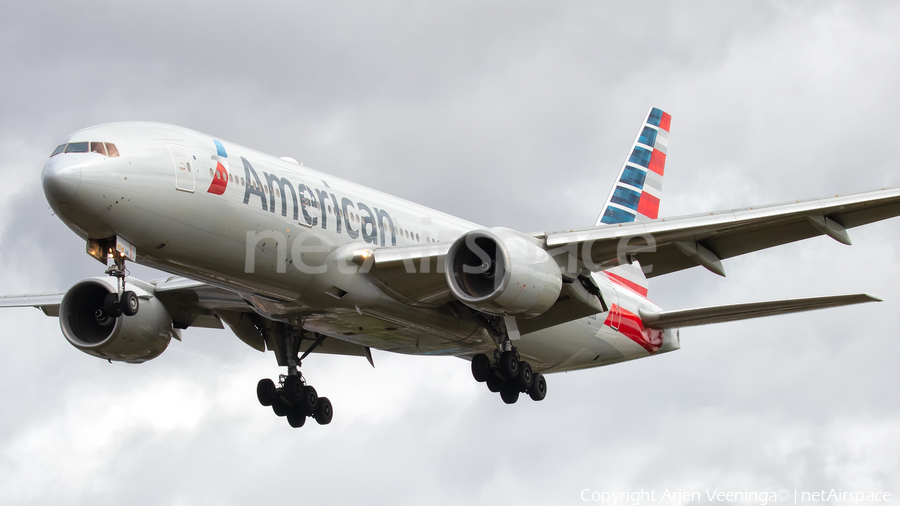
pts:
[184, 171]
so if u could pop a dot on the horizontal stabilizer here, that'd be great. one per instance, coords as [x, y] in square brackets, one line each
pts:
[732, 312]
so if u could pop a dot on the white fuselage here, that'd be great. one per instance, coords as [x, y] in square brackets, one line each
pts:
[279, 234]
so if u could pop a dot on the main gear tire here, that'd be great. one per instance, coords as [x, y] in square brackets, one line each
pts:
[481, 367]
[509, 365]
[538, 388]
[309, 401]
[324, 412]
[296, 419]
[293, 390]
[525, 377]
[265, 391]
[509, 393]
[494, 383]
[280, 408]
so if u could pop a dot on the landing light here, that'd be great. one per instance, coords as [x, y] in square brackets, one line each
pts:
[360, 256]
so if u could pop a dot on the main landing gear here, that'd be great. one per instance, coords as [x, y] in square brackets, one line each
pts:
[293, 397]
[509, 375]
[122, 302]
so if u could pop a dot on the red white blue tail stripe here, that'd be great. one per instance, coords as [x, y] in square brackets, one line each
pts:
[638, 189]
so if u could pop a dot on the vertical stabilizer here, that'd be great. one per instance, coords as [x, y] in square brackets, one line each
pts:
[638, 188]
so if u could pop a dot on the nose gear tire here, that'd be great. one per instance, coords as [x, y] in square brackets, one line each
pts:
[129, 303]
[111, 305]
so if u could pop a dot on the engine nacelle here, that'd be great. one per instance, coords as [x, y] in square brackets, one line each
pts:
[503, 272]
[132, 339]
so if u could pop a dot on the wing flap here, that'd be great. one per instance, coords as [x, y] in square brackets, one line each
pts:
[734, 312]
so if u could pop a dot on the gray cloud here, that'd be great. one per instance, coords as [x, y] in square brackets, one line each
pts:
[514, 114]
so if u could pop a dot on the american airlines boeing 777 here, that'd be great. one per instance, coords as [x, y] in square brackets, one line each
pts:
[299, 262]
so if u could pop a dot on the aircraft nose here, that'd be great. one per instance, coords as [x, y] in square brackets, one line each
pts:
[61, 177]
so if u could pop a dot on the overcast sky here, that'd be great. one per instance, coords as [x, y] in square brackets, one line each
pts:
[505, 113]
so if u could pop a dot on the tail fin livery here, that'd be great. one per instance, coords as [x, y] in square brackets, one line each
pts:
[638, 188]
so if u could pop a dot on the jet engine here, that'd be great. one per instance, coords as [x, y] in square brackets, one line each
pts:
[132, 339]
[502, 272]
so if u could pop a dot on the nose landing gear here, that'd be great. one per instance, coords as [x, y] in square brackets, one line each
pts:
[122, 302]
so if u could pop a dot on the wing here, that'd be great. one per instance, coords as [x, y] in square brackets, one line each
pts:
[46, 302]
[415, 274]
[668, 245]
[197, 304]
[411, 274]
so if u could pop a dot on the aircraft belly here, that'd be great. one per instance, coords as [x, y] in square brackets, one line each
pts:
[579, 344]
[386, 332]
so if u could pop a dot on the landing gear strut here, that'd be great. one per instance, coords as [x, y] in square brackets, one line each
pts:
[122, 302]
[293, 397]
[507, 373]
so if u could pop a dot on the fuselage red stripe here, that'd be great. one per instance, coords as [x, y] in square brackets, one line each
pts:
[631, 285]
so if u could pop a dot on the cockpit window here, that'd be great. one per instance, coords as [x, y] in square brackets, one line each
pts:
[77, 147]
[97, 147]
[101, 148]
